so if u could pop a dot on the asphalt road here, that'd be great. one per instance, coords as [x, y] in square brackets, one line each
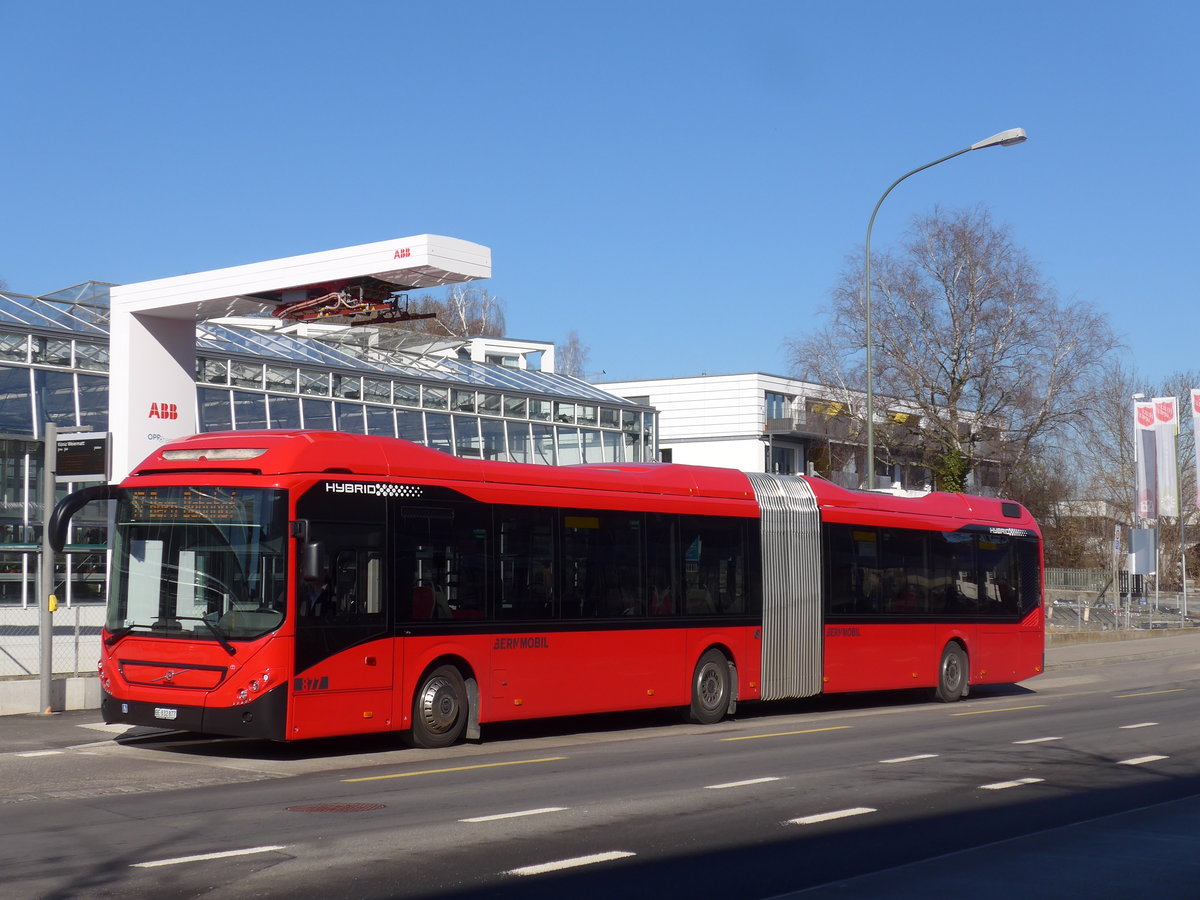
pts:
[1085, 781]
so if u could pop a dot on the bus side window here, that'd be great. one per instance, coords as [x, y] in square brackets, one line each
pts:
[345, 583]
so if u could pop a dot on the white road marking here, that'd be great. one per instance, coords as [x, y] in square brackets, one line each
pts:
[559, 865]
[1138, 760]
[830, 816]
[903, 759]
[206, 856]
[1141, 725]
[1037, 740]
[514, 815]
[33, 753]
[736, 784]
[1001, 785]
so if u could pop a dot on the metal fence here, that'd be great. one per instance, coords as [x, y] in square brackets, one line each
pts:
[1089, 611]
[75, 643]
[1077, 579]
[1089, 600]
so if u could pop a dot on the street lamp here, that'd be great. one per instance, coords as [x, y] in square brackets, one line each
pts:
[1003, 139]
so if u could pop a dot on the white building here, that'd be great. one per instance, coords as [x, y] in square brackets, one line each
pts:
[752, 421]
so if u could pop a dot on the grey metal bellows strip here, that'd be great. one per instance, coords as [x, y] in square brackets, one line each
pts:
[791, 580]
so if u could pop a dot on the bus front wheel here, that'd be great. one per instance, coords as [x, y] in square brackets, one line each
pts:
[711, 685]
[952, 675]
[440, 709]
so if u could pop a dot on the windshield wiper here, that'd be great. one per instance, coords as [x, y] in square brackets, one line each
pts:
[116, 634]
[221, 636]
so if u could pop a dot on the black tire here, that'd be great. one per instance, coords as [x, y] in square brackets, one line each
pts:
[440, 709]
[710, 689]
[953, 675]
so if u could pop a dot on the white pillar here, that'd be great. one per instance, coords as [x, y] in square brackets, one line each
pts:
[152, 385]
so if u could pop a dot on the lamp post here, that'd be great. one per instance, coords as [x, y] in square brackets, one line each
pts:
[1003, 139]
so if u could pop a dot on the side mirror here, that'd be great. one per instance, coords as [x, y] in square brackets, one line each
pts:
[313, 560]
[60, 519]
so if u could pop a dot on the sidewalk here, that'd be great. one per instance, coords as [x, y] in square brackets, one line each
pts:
[1072, 654]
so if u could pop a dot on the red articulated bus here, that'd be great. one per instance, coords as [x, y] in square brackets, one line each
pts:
[290, 585]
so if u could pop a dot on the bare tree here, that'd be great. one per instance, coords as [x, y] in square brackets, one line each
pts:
[465, 312]
[1104, 459]
[571, 357]
[473, 312]
[968, 336]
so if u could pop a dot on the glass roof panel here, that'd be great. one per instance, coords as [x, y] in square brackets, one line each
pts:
[83, 310]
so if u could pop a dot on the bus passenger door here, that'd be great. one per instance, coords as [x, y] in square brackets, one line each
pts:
[344, 651]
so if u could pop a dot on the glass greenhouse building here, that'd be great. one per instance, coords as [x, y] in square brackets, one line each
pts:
[480, 397]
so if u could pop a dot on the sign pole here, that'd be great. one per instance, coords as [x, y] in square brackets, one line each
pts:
[46, 601]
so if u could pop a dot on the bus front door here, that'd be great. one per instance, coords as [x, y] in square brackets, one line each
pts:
[344, 651]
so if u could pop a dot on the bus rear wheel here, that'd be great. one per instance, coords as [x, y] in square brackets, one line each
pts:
[440, 709]
[710, 688]
[952, 675]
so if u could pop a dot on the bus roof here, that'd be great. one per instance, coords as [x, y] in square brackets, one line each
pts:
[279, 452]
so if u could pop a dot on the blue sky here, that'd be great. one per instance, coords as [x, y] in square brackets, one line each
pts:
[679, 182]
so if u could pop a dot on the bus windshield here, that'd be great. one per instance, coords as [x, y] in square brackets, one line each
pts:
[201, 563]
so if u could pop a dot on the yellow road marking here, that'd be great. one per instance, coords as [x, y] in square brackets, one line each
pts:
[1151, 693]
[755, 737]
[984, 712]
[516, 762]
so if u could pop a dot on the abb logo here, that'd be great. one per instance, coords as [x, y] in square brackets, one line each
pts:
[403, 253]
[164, 411]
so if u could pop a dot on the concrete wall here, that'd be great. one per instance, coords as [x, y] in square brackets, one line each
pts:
[24, 695]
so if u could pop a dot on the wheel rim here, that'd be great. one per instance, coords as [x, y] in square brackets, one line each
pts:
[952, 673]
[439, 705]
[709, 686]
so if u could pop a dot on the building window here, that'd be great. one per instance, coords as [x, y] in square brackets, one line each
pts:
[519, 447]
[318, 414]
[93, 401]
[464, 401]
[380, 421]
[14, 347]
[783, 461]
[410, 425]
[93, 357]
[466, 436]
[212, 371]
[282, 379]
[377, 390]
[489, 404]
[779, 406]
[16, 408]
[407, 394]
[315, 384]
[350, 418]
[246, 375]
[249, 410]
[213, 410]
[516, 407]
[56, 396]
[52, 351]
[348, 387]
[285, 412]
